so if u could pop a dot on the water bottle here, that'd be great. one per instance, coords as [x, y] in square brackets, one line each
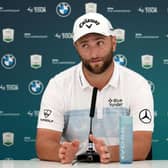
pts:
[126, 139]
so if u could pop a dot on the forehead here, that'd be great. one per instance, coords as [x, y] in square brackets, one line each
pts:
[92, 36]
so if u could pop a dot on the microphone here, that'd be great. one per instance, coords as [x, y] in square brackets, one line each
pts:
[90, 155]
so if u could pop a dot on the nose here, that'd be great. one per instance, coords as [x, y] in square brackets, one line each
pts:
[93, 52]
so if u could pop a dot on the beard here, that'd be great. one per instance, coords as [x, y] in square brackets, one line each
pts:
[98, 68]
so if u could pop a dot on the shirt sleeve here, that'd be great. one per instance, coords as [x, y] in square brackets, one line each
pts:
[51, 115]
[142, 108]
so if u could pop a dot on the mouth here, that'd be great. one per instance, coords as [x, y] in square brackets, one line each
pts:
[96, 60]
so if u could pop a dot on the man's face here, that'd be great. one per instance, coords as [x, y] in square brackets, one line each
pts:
[96, 51]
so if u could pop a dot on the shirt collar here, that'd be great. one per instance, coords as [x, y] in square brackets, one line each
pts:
[114, 81]
[83, 82]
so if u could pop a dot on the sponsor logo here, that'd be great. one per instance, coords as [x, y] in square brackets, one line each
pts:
[63, 9]
[120, 59]
[8, 61]
[28, 139]
[3, 10]
[34, 36]
[63, 36]
[165, 61]
[36, 87]
[142, 36]
[8, 138]
[12, 87]
[35, 61]
[2, 87]
[56, 61]
[88, 23]
[46, 120]
[147, 61]
[47, 113]
[37, 9]
[115, 102]
[9, 87]
[113, 10]
[148, 10]
[90, 7]
[8, 35]
[145, 116]
[120, 35]
[4, 114]
[33, 113]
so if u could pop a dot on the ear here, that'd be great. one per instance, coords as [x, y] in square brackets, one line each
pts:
[114, 43]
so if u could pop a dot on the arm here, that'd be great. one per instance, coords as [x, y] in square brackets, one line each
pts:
[142, 144]
[48, 146]
[141, 147]
[50, 126]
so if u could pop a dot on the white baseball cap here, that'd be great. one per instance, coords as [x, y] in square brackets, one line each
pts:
[91, 23]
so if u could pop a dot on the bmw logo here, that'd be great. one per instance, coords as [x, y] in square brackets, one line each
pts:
[36, 87]
[120, 59]
[63, 9]
[8, 61]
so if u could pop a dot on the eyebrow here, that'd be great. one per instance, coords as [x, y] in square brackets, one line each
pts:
[96, 38]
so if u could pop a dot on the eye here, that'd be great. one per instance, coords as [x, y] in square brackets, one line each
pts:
[84, 45]
[100, 43]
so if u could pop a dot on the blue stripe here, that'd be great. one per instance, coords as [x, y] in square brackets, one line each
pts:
[77, 123]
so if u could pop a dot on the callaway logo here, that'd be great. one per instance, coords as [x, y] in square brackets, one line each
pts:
[89, 26]
[47, 113]
[86, 21]
[145, 116]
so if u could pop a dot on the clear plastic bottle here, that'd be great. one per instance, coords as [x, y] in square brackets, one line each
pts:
[126, 139]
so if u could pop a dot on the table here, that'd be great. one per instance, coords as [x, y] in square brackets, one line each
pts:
[46, 164]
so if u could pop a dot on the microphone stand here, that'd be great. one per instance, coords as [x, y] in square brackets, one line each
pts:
[90, 155]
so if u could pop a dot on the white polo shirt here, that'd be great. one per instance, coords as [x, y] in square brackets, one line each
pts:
[65, 105]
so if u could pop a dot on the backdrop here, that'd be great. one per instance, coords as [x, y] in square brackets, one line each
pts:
[36, 44]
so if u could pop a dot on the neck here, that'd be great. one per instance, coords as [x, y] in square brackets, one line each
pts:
[99, 80]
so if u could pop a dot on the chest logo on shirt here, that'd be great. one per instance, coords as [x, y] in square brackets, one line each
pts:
[145, 116]
[115, 102]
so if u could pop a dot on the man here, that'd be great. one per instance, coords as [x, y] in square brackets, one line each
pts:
[63, 123]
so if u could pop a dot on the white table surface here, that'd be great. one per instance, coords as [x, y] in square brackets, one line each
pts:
[46, 164]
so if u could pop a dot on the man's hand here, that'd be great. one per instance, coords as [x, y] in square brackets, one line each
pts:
[102, 149]
[67, 151]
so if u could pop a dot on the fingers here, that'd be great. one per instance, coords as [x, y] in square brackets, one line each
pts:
[62, 153]
[67, 151]
[105, 158]
[102, 149]
[105, 154]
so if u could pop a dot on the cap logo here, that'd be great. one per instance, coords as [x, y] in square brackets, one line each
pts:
[86, 21]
